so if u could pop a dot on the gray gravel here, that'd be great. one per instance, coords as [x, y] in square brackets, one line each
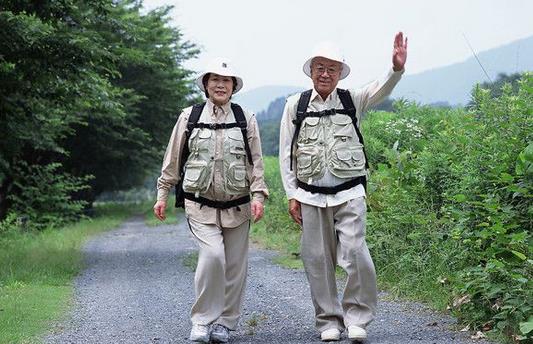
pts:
[136, 289]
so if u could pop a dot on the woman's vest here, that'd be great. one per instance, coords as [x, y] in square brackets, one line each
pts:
[328, 140]
[198, 158]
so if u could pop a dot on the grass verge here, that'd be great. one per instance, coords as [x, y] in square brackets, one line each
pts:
[37, 271]
[171, 212]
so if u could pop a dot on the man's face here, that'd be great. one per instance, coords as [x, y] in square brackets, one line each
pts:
[219, 88]
[325, 74]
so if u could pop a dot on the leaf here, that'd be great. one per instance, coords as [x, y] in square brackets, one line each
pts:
[527, 326]
[506, 177]
[459, 198]
[519, 255]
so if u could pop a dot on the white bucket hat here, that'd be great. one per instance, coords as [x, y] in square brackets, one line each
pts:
[330, 51]
[220, 66]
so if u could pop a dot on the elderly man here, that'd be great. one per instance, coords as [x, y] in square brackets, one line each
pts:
[324, 169]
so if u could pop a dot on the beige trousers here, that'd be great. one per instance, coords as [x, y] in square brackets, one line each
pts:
[331, 236]
[220, 274]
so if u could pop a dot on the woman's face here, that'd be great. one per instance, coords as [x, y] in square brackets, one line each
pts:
[219, 88]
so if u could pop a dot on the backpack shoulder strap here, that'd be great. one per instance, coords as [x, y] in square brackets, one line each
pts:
[196, 112]
[303, 103]
[243, 124]
[194, 117]
[348, 105]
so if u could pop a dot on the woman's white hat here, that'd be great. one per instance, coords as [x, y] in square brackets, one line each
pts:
[220, 66]
[330, 51]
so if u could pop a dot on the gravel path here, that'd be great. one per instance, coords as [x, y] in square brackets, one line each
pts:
[137, 288]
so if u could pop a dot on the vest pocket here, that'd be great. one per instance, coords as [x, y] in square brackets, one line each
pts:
[308, 164]
[348, 162]
[195, 176]
[310, 129]
[236, 179]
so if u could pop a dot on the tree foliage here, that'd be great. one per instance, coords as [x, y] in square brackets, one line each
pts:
[87, 88]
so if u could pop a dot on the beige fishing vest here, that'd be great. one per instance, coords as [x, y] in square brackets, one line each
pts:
[200, 165]
[328, 143]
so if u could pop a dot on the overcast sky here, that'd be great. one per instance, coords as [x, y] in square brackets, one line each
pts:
[269, 40]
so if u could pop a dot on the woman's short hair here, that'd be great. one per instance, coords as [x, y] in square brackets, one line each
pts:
[206, 77]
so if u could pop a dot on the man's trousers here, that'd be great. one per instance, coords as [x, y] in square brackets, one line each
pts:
[331, 236]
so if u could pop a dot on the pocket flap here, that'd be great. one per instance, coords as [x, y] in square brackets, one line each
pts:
[304, 161]
[193, 174]
[341, 119]
[344, 155]
[312, 121]
[235, 135]
[205, 133]
[239, 173]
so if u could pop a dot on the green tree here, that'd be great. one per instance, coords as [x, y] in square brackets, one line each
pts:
[86, 88]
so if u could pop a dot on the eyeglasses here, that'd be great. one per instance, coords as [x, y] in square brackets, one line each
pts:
[320, 69]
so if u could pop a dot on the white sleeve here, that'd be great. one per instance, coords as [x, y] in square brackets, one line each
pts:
[375, 92]
[286, 132]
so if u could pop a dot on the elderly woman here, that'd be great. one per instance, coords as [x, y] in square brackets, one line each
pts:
[214, 154]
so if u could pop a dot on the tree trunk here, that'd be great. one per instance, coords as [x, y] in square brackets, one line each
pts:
[4, 187]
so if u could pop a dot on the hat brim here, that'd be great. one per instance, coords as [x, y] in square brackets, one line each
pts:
[200, 84]
[307, 67]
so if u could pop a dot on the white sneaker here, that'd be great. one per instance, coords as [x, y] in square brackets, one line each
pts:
[199, 333]
[330, 335]
[356, 332]
[219, 333]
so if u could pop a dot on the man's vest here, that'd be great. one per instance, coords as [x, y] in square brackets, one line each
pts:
[198, 160]
[328, 140]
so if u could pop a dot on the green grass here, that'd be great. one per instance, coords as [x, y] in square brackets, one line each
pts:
[172, 214]
[37, 271]
[191, 260]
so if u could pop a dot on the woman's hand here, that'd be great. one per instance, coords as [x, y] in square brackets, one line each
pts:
[159, 210]
[257, 210]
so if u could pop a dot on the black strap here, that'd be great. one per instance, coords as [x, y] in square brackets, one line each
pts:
[241, 122]
[196, 112]
[217, 204]
[216, 126]
[330, 190]
[348, 105]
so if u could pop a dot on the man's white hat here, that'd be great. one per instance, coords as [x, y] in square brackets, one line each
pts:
[221, 66]
[330, 51]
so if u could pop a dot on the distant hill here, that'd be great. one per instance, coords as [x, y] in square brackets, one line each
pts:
[258, 99]
[453, 83]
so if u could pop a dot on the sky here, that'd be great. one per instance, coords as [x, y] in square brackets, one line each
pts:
[268, 41]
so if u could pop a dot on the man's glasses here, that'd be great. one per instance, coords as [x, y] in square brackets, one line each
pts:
[320, 69]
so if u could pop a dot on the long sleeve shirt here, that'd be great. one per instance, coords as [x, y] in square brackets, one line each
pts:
[226, 218]
[362, 98]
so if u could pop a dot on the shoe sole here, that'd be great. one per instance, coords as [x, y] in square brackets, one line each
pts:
[331, 339]
[359, 339]
[199, 339]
